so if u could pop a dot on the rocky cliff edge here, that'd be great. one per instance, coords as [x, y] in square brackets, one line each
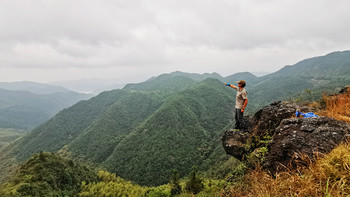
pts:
[277, 140]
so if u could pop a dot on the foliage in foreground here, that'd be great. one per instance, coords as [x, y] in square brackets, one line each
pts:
[328, 176]
[113, 186]
[47, 174]
[194, 184]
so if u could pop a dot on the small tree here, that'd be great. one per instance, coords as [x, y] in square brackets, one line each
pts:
[175, 183]
[194, 185]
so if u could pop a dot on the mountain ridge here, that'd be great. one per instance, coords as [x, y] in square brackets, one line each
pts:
[147, 129]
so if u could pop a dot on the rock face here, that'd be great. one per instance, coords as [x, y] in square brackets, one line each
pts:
[234, 143]
[270, 117]
[308, 136]
[239, 143]
[276, 139]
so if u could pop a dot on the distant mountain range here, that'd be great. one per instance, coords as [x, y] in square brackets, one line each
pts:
[173, 121]
[25, 105]
[90, 86]
[33, 87]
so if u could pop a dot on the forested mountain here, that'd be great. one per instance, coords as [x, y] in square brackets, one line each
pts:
[308, 79]
[117, 122]
[66, 125]
[148, 129]
[177, 136]
[172, 121]
[26, 110]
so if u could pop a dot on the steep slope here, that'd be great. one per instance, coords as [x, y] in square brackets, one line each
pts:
[58, 131]
[99, 140]
[177, 136]
[65, 126]
[25, 110]
[333, 66]
[318, 74]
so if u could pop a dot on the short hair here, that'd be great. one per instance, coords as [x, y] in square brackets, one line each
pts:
[242, 82]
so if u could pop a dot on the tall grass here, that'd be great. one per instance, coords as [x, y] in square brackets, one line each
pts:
[328, 176]
[337, 106]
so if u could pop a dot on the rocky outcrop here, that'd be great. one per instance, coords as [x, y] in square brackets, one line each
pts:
[300, 137]
[241, 143]
[276, 139]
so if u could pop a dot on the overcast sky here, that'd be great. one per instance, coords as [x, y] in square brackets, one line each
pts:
[132, 40]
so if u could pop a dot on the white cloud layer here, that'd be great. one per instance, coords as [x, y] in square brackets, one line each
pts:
[50, 40]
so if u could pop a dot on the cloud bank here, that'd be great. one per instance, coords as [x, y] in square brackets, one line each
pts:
[131, 40]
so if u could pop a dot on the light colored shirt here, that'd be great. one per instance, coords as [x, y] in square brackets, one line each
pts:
[240, 97]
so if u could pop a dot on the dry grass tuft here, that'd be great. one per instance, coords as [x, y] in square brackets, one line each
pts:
[337, 106]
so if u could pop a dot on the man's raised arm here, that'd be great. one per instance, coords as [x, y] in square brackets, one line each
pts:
[232, 86]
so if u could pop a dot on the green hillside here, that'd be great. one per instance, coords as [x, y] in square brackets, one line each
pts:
[333, 66]
[98, 141]
[99, 129]
[307, 79]
[65, 126]
[177, 136]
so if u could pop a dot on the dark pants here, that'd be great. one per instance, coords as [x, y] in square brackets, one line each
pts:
[239, 119]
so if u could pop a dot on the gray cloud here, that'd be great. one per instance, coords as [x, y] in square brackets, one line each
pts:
[135, 39]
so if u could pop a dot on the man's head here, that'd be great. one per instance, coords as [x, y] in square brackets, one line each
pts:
[241, 83]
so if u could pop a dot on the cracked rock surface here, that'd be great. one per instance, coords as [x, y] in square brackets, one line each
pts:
[295, 136]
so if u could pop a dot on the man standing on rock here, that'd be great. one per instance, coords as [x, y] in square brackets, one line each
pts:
[241, 102]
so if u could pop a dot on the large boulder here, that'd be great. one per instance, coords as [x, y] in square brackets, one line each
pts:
[240, 143]
[234, 143]
[270, 116]
[276, 138]
[297, 138]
